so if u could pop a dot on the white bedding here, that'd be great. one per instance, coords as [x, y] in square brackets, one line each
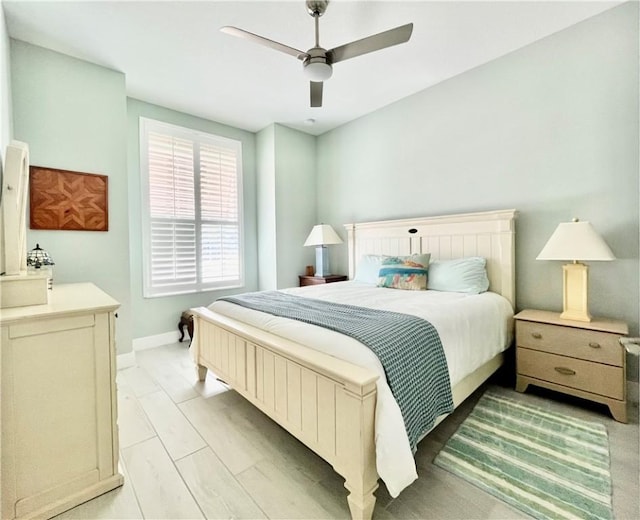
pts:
[472, 328]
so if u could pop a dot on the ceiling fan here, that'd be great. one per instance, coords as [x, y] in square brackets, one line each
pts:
[318, 62]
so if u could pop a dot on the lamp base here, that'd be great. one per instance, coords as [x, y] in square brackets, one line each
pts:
[322, 261]
[575, 292]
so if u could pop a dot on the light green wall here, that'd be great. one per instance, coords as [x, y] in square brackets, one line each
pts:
[5, 88]
[286, 204]
[159, 315]
[5, 122]
[295, 164]
[266, 187]
[551, 130]
[6, 127]
[73, 116]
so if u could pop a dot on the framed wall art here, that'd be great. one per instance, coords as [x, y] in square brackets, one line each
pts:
[66, 200]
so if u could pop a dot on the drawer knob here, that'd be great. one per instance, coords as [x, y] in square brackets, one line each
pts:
[536, 335]
[594, 344]
[565, 371]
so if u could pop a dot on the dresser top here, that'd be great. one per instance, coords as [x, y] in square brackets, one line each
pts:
[553, 318]
[67, 298]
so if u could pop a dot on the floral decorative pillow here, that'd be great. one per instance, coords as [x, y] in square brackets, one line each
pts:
[404, 272]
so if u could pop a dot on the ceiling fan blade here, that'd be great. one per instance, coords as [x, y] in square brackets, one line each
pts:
[241, 33]
[371, 43]
[316, 93]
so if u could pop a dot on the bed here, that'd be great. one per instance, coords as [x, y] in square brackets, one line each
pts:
[329, 403]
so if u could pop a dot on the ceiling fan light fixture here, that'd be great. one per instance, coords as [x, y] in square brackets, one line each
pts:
[317, 69]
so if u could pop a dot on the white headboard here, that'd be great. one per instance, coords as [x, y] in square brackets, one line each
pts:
[490, 234]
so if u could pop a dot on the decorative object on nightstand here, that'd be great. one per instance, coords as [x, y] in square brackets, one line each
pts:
[321, 236]
[575, 241]
[319, 280]
[584, 359]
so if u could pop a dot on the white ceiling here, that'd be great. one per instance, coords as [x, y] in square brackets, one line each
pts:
[174, 55]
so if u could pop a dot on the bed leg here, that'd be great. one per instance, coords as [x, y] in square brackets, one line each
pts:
[361, 504]
[202, 372]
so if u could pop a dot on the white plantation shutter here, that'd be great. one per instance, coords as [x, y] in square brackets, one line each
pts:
[192, 204]
[219, 202]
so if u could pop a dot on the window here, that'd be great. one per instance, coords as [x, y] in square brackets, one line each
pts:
[192, 210]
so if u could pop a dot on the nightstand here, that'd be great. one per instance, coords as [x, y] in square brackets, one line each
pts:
[584, 359]
[318, 280]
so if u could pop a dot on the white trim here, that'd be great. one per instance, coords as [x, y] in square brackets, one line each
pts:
[127, 360]
[157, 340]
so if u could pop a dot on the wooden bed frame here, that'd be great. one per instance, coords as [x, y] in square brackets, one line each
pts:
[329, 404]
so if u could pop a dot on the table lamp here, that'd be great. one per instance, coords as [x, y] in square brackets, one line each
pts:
[321, 236]
[575, 241]
[39, 261]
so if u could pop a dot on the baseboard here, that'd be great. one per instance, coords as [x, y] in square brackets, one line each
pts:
[632, 392]
[126, 360]
[157, 340]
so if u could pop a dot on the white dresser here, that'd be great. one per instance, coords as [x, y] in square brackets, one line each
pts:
[58, 416]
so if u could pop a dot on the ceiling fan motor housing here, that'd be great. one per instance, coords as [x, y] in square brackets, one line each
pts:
[316, 66]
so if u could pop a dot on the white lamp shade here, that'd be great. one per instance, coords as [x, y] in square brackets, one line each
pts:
[322, 235]
[575, 241]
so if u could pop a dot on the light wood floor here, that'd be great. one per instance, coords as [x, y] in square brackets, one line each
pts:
[197, 450]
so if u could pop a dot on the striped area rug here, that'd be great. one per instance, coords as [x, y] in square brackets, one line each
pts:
[548, 465]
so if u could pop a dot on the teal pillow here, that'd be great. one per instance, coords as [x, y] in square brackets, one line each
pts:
[465, 275]
[404, 272]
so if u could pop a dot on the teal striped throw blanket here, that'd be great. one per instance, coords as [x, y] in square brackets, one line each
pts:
[408, 348]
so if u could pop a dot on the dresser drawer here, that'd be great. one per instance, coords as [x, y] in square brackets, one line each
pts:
[601, 347]
[575, 373]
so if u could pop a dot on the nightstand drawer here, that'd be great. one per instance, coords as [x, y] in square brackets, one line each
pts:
[574, 373]
[601, 347]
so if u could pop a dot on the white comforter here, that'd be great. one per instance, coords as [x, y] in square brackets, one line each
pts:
[472, 328]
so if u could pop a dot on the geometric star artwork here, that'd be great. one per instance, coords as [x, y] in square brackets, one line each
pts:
[61, 199]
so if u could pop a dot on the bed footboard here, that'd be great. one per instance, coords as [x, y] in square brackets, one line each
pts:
[326, 403]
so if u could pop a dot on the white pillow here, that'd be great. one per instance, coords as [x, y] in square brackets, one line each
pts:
[465, 275]
[368, 268]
